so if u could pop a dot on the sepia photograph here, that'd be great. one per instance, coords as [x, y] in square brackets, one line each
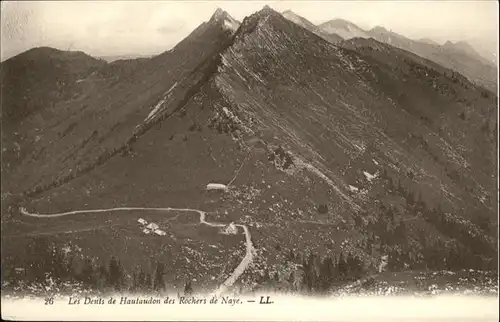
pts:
[249, 160]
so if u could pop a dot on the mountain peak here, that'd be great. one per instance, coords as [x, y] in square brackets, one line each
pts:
[266, 10]
[289, 14]
[379, 29]
[219, 15]
[222, 17]
[461, 46]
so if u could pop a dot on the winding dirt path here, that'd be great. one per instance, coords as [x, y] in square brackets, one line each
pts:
[238, 271]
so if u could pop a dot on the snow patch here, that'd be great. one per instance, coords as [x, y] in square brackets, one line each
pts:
[369, 176]
[231, 24]
[353, 188]
[158, 105]
[384, 260]
[301, 163]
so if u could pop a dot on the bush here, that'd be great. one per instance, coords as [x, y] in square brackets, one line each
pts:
[485, 94]
[323, 208]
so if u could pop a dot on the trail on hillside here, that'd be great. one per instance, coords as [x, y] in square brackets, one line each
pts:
[238, 271]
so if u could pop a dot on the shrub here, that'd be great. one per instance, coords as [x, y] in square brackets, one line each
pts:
[322, 208]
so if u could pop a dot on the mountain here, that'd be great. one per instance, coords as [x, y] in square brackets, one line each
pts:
[38, 77]
[356, 152]
[466, 48]
[303, 22]
[114, 109]
[487, 49]
[33, 84]
[460, 57]
[343, 28]
[477, 49]
[428, 41]
[113, 58]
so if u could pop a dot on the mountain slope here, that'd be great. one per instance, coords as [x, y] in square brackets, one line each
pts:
[90, 130]
[303, 22]
[360, 149]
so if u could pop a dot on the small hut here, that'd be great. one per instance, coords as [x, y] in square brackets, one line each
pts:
[160, 232]
[216, 186]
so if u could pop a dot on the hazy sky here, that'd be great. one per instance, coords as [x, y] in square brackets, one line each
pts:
[151, 27]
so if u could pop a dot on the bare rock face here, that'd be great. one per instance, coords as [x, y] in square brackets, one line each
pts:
[384, 260]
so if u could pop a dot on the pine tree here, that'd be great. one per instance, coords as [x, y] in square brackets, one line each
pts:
[188, 289]
[159, 283]
[87, 275]
[147, 282]
[326, 274]
[116, 274]
[351, 263]
[121, 281]
[39, 252]
[141, 280]
[342, 268]
[291, 279]
[134, 285]
[102, 277]
[60, 271]
[309, 277]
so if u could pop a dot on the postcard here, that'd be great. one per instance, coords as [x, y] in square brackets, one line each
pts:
[249, 160]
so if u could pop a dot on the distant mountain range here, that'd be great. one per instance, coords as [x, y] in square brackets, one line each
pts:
[332, 37]
[459, 56]
[110, 59]
[344, 29]
[336, 145]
